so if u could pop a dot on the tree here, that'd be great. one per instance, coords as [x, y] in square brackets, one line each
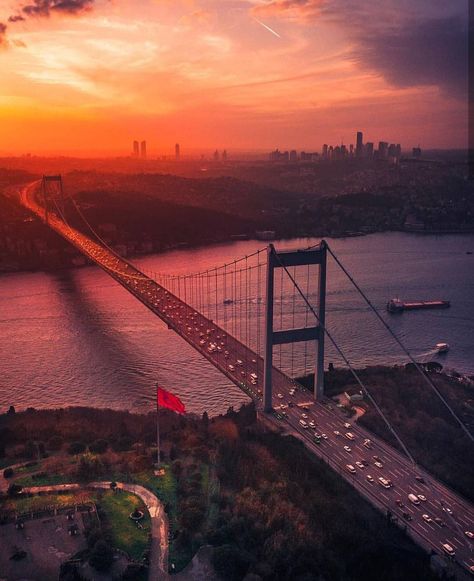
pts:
[99, 446]
[30, 449]
[14, 489]
[101, 557]
[55, 443]
[76, 448]
[230, 562]
[11, 410]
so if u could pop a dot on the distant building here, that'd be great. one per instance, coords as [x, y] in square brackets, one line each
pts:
[224, 155]
[369, 150]
[416, 152]
[325, 151]
[394, 153]
[176, 152]
[293, 155]
[351, 150]
[216, 155]
[383, 149]
[360, 144]
[143, 149]
[136, 149]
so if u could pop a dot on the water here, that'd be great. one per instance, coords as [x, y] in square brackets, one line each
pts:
[78, 338]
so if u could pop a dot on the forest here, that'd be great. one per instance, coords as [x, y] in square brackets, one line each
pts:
[270, 509]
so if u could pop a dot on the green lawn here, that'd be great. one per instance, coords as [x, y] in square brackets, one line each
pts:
[46, 480]
[125, 533]
[33, 503]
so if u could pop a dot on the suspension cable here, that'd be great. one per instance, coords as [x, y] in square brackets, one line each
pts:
[426, 378]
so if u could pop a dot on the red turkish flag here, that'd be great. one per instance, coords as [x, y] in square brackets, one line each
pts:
[165, 399]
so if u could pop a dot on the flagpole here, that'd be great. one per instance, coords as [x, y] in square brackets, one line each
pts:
[157, 428]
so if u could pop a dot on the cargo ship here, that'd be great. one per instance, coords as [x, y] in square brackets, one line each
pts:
[398, 306]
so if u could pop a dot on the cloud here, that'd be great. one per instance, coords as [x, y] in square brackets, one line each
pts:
[408, 44]
[44, 8]
[3, 30]
[431, 52]
[291, 9]
[16, 18]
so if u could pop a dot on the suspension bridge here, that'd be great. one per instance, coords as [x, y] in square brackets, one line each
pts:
[260, 320]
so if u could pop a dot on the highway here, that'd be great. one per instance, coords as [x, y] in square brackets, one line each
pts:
[454, 515]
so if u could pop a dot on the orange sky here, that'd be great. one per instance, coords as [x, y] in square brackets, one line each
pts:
[240, 74]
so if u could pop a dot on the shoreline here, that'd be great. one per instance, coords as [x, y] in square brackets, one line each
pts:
[211, 243]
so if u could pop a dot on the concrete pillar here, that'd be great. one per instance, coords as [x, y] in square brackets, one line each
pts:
[319, 371]
[268, 355]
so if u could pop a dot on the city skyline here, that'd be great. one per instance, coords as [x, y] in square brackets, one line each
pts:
[243, 74]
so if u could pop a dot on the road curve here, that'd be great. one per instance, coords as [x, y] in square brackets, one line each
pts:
[158, 568]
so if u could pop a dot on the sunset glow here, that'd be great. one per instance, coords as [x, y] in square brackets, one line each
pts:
[240, 74]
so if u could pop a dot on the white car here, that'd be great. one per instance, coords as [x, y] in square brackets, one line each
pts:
[370, 478]
[422, 497]
[360, 465]
[448, 549]
[447, 509]
[337, 433]
[312, 424]
[279, 395]
[347, 425]
[347, 449]
[378, 464]
[426, 518]
[324, 437]
[231, 368]
[350, 468]
[304, 416]
[469, 534]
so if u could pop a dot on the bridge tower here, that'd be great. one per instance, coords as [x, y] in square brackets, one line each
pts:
[289, 259]
[57, 180]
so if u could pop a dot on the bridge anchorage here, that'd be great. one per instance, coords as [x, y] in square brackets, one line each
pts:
[284, 260]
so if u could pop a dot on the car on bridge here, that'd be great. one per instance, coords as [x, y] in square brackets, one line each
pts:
[448, 549]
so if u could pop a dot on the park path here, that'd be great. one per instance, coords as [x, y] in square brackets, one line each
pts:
[158, 568]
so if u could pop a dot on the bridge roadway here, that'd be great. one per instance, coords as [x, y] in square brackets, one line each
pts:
[455, 515]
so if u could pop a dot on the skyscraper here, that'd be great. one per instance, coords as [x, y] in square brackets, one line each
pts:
[360, 144]
[143, 149]
[369, 150]
[136, 149]
[383, 149]
[176, 152]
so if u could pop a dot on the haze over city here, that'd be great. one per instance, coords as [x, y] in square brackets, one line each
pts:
[85, 77]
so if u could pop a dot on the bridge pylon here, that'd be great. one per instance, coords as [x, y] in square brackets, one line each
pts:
[284, 259]
[55, 179]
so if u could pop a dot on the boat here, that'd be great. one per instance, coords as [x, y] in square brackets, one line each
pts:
[397, 306]
[442, 347]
